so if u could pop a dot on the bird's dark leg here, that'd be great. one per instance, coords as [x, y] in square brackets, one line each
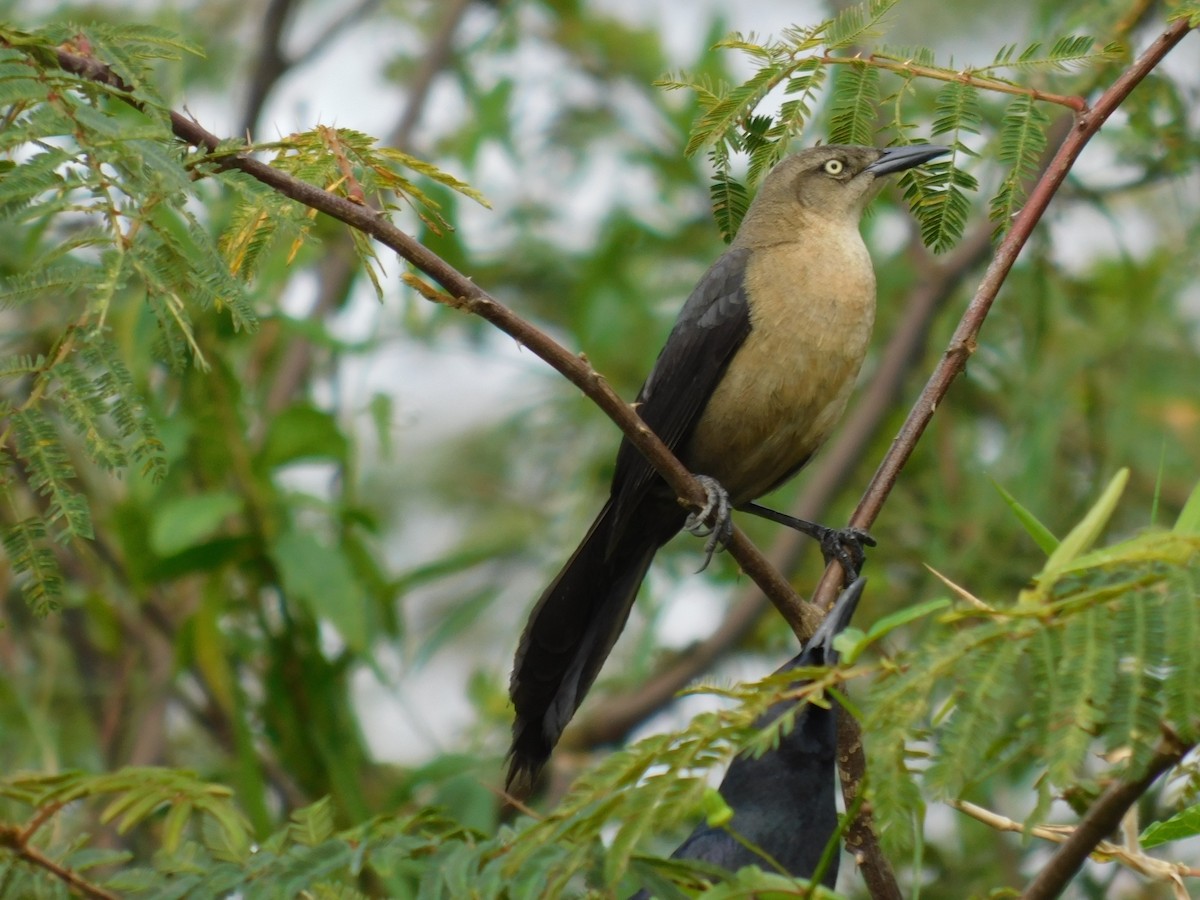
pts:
[717, 509]
[843, 544]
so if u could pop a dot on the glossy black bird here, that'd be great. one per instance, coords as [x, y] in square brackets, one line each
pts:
[753, 377]
[783, 802]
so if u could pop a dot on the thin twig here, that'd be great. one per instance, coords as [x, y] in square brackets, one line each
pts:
[12, 838]
[1106, 851]
[965, 76]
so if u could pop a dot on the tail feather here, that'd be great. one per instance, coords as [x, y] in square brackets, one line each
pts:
[573, 628]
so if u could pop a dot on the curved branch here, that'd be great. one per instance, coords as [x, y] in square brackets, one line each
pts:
[463, 293]
[270, 63]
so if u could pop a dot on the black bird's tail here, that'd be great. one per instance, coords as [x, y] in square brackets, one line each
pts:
[784, 811]
[573, 628]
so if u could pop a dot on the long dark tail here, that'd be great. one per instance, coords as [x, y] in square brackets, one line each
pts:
[573, 628]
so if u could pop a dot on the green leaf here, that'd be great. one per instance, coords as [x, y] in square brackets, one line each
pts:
[1085, 534]
[50, 472]
[380, 408]
[1184, 824]
[1067, 52]
[851, 642]
[42, 580]
[1189, 517]
[891, 622]
[312, 824]
[855, 23]
[322, 578]
[174, 824]
[717, 812]
[716, 124]
[1086, 674]
[730, 202]
[1042, 536]
[854, 105]
[936, 198]
[184, 522]
[302, 432]
[1022, 142]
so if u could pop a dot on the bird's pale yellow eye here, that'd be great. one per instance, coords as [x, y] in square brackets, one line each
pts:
[834, 167]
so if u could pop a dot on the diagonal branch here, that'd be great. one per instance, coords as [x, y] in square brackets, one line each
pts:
[1099, 822]
[963, 343]
[462, 293]
[16, 840]
[851, 758]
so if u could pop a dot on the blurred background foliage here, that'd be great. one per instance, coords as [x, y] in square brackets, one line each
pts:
[320, 593]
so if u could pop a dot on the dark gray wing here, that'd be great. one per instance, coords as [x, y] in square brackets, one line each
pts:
[712, 325]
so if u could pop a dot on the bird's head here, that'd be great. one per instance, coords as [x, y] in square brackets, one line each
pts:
[833, 183]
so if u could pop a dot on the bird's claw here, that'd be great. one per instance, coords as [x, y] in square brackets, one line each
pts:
[716, 510]
[846, 546]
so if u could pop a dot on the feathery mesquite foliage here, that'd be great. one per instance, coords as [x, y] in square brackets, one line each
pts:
[732, 118]
[1081, 664]
[113, 189]
[1098, 657]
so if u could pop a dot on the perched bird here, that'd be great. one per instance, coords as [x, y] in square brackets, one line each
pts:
[752, 378]
[783, 801]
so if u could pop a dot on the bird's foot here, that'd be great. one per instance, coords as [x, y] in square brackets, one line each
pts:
[846, 546]
[714, 520]
[843, 544]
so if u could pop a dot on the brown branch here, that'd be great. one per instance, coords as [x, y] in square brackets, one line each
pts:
[965, 76]
[851, 758]
[1099, 822]
[464, 294]
[436, 58]
[272, 63]
[963, 342]
[13, 838]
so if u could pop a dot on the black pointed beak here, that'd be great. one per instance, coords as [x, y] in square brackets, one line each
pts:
[896, 159]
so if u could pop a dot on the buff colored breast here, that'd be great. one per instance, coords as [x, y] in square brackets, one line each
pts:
[811, 315]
